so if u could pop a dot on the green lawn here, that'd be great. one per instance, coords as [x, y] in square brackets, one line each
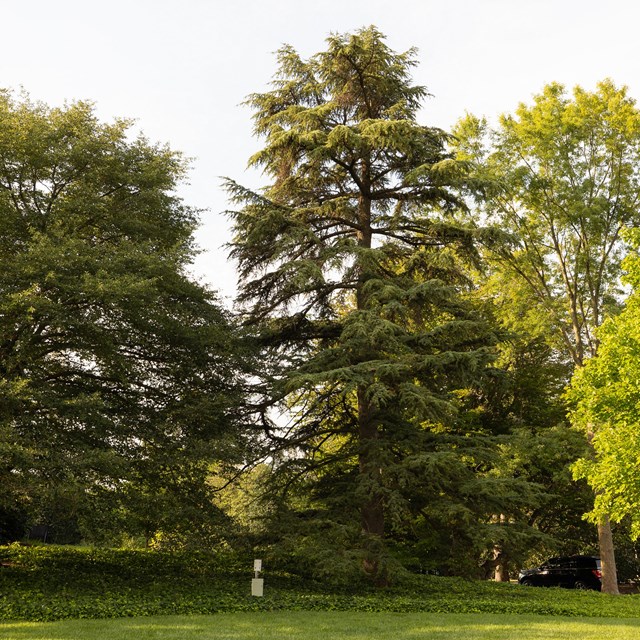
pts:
[301, 625]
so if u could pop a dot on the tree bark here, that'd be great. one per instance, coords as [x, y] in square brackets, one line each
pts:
[372, 508]
[605, 544]
[500, 559]
[372, 512]
[502, 569]
[607, 558]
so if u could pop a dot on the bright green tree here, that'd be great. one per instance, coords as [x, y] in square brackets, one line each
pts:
[116, 370]
[351, 274]
[565, 182]
[605, 395]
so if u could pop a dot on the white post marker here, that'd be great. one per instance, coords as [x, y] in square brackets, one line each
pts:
[257, 584]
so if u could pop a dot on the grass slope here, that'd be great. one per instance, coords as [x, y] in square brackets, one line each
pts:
[55, 583]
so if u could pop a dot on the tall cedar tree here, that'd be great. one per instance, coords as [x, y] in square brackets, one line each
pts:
[350, 270]
[116, 374]
[568, 183]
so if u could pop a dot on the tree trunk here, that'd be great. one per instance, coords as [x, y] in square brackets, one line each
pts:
[372, 509]
[607, 558]
[500, 559]
[372, 513]
[605, 543]
[502, 569]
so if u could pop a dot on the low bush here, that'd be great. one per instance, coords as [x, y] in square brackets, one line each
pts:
[49, 583]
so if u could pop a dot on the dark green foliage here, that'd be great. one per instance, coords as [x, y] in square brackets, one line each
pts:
[44, 583]
[117, 372]
[522, 402]
[353, 275]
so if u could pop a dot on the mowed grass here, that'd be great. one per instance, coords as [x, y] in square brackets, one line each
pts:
[300, 625]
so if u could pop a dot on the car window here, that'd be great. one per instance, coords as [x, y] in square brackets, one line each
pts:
[587, 563]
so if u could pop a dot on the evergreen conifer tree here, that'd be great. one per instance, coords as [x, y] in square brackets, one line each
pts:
[351, 274]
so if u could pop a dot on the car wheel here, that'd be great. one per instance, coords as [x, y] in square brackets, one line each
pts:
[526, 582]
[580, 584]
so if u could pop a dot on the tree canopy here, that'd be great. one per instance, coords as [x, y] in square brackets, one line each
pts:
[389, 387]
[116, 369]
[353, 273]
[604, 396]
[562, 177]
[565, 182]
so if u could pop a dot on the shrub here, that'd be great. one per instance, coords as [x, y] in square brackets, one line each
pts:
[41, 583]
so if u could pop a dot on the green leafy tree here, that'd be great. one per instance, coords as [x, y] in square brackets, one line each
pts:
[116, 370]
[565, 183]
[604, 396]
[351, 273]
[523, 403]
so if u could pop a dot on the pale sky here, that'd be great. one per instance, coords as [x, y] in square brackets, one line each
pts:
[182, 68]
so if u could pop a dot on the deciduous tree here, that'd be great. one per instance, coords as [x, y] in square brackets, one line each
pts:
[566, 182]
[116, 370]
[605, 392]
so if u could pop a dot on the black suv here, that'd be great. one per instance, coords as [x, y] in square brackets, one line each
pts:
[573, 572]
